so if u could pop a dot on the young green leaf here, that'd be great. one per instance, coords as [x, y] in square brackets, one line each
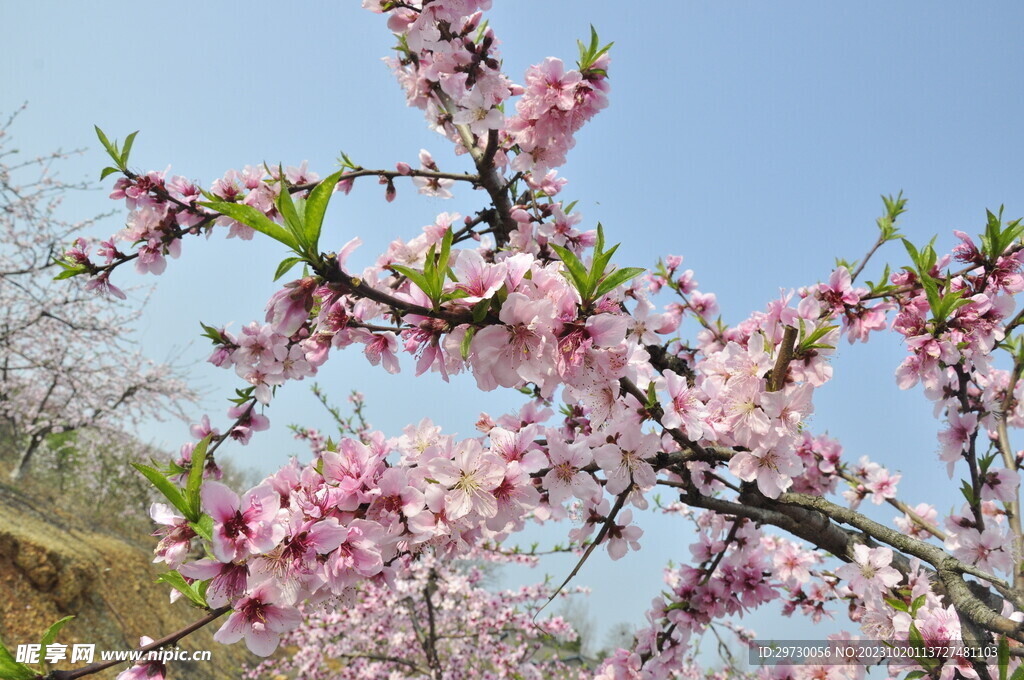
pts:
[10, 669]
[316, 205]
[195, 479]
[897, 604]
[204, 527]
[178, 582]
[419, 278]
[127, 149]
[69, 272]
[467, 339]
[286, 265]
[616, 279]
[250, 216]
[51, 633]
[577, 273]
[164, 486]
[111, 148]
[480, 310]
[293, 220]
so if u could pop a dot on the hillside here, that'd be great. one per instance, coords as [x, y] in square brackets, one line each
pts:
[53, 565]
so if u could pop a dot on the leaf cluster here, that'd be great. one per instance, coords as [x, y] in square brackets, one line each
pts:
[595, 282]
[187, 501]
[303, 220]
[941, 299]
[592, 52]
[117, 154]
[436, 270]
[996, 239]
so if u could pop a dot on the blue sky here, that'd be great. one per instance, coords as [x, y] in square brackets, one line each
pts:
[752, 138]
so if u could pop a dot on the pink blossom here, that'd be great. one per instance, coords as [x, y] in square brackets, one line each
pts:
[685, 408]
[772, 469]
[626, 461]
[566, 478]
[175, 536]
[238, 532]
[148, 669]
[470, 477]
[260, 620]
[869, 576]
[289, 307]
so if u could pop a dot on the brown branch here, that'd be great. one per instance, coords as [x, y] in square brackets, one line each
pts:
[913, 286]
[860, 267]
[382, 657]
[777, 380]
[157, 644]
[902, 507]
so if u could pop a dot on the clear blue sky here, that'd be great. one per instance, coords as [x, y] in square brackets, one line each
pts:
[752, 138]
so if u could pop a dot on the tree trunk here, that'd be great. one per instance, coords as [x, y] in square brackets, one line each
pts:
[19, 470]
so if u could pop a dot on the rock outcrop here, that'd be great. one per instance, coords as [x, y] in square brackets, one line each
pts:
[52, 566]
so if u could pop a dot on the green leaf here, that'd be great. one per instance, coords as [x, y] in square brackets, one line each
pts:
[286, 265]
[914, 675]
[316, 205]
[11, 669]
[69, 272]
[617, 278]
[111, 148]
[467, 339]
[416, 277]
[599, 265]
[195, 479]
[250, 216]
[578, 275]
[968, 491]
[292, 219]
[164, 485]
[212, 333]
[108, 171]
[898, 605]
[178, 582]
[444, 258]
[204, 527]
[201, 587]
[127, 148]
[51, 633]
[915, 635]
[1018, 674]
[931, 291]
[480, 310]
[652, 395]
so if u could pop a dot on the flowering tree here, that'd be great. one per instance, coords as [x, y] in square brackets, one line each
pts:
[66, 360]
[523, 298]
[437, 615]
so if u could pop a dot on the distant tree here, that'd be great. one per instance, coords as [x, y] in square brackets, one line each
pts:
[432, 614]
[67, 361]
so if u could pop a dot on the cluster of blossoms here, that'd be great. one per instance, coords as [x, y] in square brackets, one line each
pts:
[952, 333]
[533, 303]
[734, 574]
[423, 618]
